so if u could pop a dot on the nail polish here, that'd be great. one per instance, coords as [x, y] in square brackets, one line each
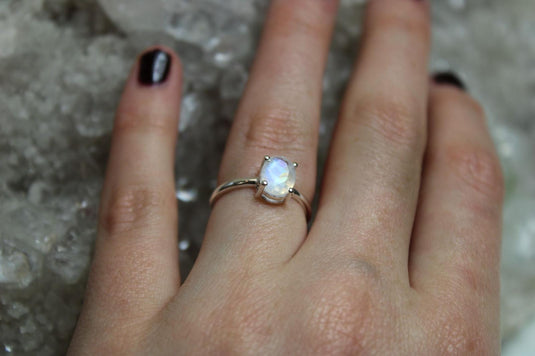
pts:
[449, 78]
[154, 67]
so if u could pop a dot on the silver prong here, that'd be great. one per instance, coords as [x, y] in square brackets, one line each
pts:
[296, 164]
[291, 192]
[267, 158]
[261, 187]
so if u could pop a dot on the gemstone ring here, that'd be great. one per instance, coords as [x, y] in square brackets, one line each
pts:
[275, 184]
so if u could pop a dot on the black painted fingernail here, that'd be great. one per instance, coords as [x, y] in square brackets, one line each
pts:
[449, 78]
[154, 67]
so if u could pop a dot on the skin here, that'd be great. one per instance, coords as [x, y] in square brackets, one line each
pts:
[403, 255]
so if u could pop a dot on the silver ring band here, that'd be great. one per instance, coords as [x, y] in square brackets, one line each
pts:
[255, 183]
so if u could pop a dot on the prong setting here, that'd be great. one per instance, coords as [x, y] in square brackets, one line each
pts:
[290, 195]
[280, 173]
[261, 187]
[274, 184]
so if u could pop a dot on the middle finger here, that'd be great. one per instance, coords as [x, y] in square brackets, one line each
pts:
[372, 178]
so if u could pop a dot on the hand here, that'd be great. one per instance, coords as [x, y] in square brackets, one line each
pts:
[402, 257]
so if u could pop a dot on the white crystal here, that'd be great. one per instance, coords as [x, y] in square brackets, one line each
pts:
[63, 64]
[280, 175]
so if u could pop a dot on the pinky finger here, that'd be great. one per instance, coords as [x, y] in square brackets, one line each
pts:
[455, 246]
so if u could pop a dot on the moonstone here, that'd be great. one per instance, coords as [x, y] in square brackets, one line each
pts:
[280, 175]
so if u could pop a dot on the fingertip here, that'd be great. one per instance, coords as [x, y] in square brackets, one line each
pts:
[175, 58]
[153, 89]
[157, 67]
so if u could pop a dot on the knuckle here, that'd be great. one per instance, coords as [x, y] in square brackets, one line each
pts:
[394, 122]
[472, 281]
[460, 332]
[131, 208]
[139, 121]
[242, 318]
[460, 283]
[283, 128]
[299, 17]
[337, 322]
[416, 25]
[466, 278]
[342, 314]
[479, 168]
[251, 319]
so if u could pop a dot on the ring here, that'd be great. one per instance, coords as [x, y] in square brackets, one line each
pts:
[274, 185]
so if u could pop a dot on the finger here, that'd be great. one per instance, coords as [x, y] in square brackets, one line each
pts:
[456, 243]
[278, 115]
[135, 267]
[372, 176]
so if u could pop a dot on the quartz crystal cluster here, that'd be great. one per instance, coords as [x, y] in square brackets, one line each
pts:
[62, 65]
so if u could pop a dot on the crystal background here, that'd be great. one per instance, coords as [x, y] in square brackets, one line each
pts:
[62, 66]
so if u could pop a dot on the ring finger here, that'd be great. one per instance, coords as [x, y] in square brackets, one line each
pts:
[278, 116]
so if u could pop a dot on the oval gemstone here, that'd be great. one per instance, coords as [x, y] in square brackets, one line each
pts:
[280, 175]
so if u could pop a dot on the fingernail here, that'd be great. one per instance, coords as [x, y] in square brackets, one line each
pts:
[449, 78]
[154, 67]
